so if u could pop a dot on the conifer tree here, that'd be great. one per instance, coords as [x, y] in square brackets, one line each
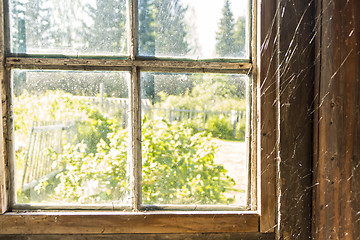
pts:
[146, 27]
[239, 36]
[107, 30]
[225, 39]
[170, 28]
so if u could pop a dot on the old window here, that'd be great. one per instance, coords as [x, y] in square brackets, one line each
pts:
[135, 106]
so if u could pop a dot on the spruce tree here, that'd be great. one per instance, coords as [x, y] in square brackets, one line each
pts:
[240, 36]
[225, 38]
[106, 33]
[170, 28]
[31, 25]
[18, 32]
[162, 32]
[146, 27]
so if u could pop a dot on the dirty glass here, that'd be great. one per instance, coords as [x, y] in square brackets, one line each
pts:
[71, 134]
[198, 29]
[73, 27]
[194, 138]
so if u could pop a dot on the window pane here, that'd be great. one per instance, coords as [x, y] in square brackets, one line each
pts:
[71, 137]
[193, 143]
[194, 29]
[68, 27]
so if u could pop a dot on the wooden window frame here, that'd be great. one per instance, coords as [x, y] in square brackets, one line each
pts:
[264, 116]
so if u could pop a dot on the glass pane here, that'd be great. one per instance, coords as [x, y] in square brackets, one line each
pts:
[92, 27]
[71, 137]
[194, 29]
[193, 143]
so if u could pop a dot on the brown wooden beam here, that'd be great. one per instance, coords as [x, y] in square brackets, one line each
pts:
[113, 223]
[295, 94]
[202, 236]
[337, 177]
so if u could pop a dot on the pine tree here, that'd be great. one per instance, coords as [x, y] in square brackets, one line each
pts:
[240, 36]
[170, 28]
[225, 39]
[31, 25]
[163, 32]
[146, 28]
[38, 24]
[106, 33]
[18, 32]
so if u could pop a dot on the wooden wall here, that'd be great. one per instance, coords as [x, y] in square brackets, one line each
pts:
[296, 21]
[336, 205]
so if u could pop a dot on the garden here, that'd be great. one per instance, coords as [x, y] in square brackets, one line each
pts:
[72, 143]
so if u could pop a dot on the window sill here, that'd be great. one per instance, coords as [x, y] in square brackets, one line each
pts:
[121, 222]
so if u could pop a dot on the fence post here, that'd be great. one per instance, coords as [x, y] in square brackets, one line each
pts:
[204, 117]
[233, 121]
[172, 114]
[124, 115]
[101, 94]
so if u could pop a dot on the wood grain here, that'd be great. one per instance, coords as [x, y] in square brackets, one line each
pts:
[337, 177]
[266, 86]
[296, 22]
[135, 131]
[3, 162]
[151, 64]
[81, 223]
[201, 236]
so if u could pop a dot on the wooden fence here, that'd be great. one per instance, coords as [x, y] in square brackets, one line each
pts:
[44, 136]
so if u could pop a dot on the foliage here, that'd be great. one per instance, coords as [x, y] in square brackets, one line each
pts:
[179, 168]
[211, 92]
[106, 31]
[219, 127]
[49, 106]
[225, 36]
[240, 36]
[217, 94]
[37, 20]
[162, 26]
[97, 177]
[178, 164]
[230, 37]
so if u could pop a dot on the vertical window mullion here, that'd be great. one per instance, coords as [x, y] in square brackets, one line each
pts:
[135, 111]
[133, 39]
[135, 126]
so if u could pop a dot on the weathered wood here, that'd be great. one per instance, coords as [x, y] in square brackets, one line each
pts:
[3, 162]
[296, 22]
[121, 207]
[337, 180]
[134, 26]
[318, 63]
[267, 125]
[252, 113]
[111, 223]
[135, 131]
[201, 236]
[160, 65]
[8, 137]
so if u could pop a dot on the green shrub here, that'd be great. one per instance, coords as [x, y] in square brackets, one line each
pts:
[219, 127]
[178, 163]
[179, 168]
